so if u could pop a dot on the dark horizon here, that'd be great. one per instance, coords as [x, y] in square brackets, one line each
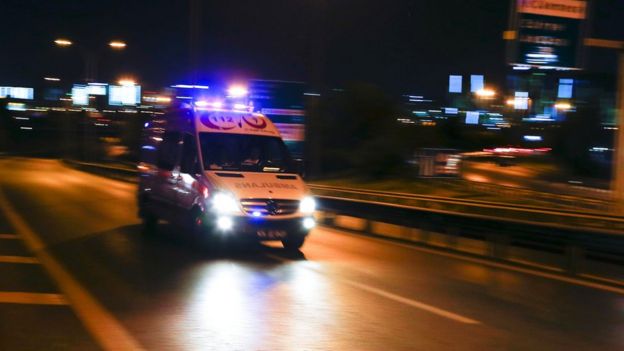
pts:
[408, 47]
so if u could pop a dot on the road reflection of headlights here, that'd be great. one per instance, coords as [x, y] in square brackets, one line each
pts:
[307, 205]
[225, 203]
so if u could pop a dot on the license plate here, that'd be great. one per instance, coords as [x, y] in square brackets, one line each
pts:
[271, 234]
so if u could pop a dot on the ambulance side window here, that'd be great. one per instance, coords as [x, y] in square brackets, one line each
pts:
[190, 164]
[169, 151]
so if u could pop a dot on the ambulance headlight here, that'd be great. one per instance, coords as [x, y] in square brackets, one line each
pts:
[309, 223]
[307, 205]
[225, 223]
[225, 203]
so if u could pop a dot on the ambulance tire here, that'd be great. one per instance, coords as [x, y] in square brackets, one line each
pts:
[149, 224]
[149, 221]
[294, 241]
[197, 227]
[201, 233]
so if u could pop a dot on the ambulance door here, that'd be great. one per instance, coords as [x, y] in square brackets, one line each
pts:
[168, 173]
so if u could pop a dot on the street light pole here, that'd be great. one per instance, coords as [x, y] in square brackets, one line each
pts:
[318, 42]
[90, 57]
[195, 24]
[618, 157]
[90, 74]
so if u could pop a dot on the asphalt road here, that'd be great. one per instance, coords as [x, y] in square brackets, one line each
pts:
[342, 292]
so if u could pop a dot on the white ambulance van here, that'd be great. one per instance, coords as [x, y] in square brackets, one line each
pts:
[222, 172]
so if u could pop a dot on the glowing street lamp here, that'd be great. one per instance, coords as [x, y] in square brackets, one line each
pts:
[63, 42]
[117, 45]
[127, 82]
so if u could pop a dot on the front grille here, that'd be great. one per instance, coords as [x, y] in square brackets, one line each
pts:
[270, 207]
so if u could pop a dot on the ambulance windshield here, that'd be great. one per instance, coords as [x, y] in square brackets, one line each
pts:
[244, 153]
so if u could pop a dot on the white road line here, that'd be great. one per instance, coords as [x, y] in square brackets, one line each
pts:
[394, 297]
[18, 259]
[107, 331]
[411, 302]
[485, 262]
[9, 237]
[31, 298]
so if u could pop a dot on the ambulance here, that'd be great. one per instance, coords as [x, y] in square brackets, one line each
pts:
[219, 171]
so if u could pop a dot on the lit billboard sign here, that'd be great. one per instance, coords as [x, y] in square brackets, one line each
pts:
[124, 95]
[472, 117]
[451, 110]
[477, 83]
[555, 8]
[548, 33]
[80, 95]
[97, 89]
[566, 87]
[455, 84]
[17, 93]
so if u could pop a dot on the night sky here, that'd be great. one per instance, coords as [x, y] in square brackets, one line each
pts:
[401, 45]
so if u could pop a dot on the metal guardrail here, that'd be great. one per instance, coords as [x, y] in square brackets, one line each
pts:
[596, 256]
[127, 174]
[548, 217]
[595, 204]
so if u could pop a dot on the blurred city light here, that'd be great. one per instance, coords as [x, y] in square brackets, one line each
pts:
[237, 91]
[188, 86]
[521, 68]
[157, 99]
[63, 42]
[485, 93]
[16, 106]
[533, 138]
[116, 44]
[203, 104]
[126, 82]
[563, 106]
[521, 100]
[52, 79]
[126, 94]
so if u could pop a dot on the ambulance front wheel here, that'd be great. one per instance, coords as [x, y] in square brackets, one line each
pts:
[294, 241]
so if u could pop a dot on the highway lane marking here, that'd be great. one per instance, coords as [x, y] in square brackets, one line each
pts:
[485, 262]
[9, 237]
[394, 297]
[18, 259]
[101, 324]
[411, 302]
[31, 298]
